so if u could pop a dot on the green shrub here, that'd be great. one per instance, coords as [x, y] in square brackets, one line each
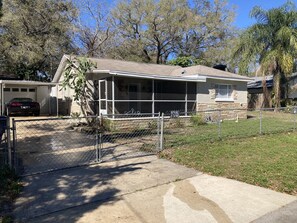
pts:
[108, 125]
[9, 183]
[197, 120]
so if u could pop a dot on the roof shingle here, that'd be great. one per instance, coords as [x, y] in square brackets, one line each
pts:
[161, 70]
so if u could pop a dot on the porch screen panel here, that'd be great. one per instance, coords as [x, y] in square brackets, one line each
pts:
[133, 89]
[191, 107]
[170, 90]
[168, 107]
[133, 107]
[109, 88]
[191, 90]
[109, 107]
[103, 90]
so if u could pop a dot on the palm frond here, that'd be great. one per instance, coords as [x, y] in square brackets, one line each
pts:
[259, 14]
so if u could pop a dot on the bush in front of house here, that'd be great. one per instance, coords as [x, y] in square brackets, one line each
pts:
[197, 120]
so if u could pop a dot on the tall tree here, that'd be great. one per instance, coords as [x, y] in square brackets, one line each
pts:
[209, 30]
[166, 24]
[158, 30]
[34, 36]
[128, 22]
[272, 43]
[93, 33]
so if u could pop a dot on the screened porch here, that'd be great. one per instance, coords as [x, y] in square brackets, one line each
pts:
[125, 95]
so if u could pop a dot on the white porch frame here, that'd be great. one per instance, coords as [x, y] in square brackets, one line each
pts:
[152, 100]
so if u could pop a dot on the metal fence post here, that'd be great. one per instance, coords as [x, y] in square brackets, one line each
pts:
[260, 132]
[219, 124]
[97, 140]
[100, 138]
[295, 117]
[158, 132]
[14, 148]
[100, 147]
[162, 133]
[9, 150]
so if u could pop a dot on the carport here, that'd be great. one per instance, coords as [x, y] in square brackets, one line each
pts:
[36, 90]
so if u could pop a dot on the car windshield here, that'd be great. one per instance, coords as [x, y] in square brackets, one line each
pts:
[21, 100]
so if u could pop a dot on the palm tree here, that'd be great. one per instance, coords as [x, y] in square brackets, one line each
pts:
[271, 43]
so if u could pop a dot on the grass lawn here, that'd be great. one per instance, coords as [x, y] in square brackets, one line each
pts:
[265, 160]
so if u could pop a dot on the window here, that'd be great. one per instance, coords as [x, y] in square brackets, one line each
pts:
[223, 92]
[15, 89]
[7, 89]
[32, 90]
[23, 89]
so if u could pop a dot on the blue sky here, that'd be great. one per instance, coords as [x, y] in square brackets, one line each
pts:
[244, 7]
[242, 19]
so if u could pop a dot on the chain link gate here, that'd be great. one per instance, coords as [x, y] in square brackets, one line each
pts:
[43, 145]
[128, 136]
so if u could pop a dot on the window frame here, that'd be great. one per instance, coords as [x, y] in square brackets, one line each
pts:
[229, 95]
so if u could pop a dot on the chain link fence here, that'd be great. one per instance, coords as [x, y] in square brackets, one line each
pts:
[213, 125]
[3, 151]
[129, 135]
[49, 144]
[277, 120]
[4, 145]
[43, 145]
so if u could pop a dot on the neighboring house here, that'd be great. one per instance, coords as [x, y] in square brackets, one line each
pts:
[256, 97]
[130, 87]
[11, 87]
[255, 90]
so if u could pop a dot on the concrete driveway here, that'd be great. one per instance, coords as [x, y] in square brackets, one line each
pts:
[146, 189]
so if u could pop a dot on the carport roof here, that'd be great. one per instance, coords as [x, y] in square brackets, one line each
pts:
[27, 83]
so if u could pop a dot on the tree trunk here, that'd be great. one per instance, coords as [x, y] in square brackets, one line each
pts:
[277, 89]
[265, 103]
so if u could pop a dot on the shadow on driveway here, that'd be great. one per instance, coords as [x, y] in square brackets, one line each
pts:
[101, 184]
[51, 192]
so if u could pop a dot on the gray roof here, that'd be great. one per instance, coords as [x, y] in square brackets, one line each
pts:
[120, 66]
[133, 67]
[257, 82]
[208, 72]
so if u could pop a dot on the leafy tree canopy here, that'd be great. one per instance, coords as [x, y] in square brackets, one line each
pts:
[271, 43]
[34, 36]
[183, 61]
[153, 31]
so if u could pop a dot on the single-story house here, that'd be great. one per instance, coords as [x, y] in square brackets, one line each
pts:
[129, 87]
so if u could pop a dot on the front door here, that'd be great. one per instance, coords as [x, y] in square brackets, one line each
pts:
[102, 97]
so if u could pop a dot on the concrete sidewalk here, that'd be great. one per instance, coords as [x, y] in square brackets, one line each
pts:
[145, 189]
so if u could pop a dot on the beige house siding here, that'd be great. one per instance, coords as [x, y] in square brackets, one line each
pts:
[67, 105]
[206, 98]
